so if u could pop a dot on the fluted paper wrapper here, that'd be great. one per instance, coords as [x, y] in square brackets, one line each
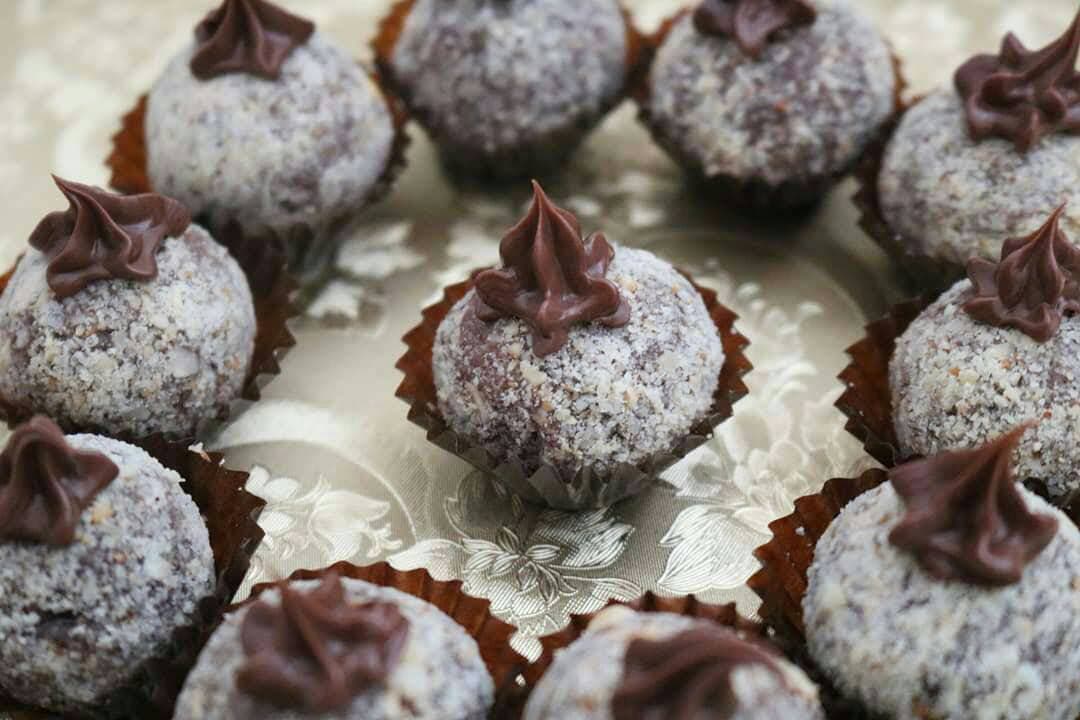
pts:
[305, 252]
[867, 397]
[492, 635]
[540, 158]
[781, 581]
[231, 515]
[750, 196]
[588, 488]
[923, 273]
[272, 291]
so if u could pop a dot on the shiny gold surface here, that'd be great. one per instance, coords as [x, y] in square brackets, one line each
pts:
[347, 477]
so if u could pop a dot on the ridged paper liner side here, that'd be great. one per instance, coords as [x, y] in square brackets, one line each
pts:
[867, 397]
[752, 196]
[588, 488]
[492, 635]
[541, 157]
[231, 515]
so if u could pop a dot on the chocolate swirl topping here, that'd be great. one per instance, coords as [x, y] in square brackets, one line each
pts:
[45, 484]
[552, 278]
[316, 651]
[1036, 283]
[1022, 95]
[102, 235]
[751, 22]
[686, 676]
[247, 36]
[966, 519]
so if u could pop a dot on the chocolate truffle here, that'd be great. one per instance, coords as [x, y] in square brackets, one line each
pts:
[661, 665]
[261, 122]
[997, 350]
[102, 557]
[972, 165]
[507, 88]
[124, 317]
[949, 592]
[577, 353]
[770, 100]
[338, 649]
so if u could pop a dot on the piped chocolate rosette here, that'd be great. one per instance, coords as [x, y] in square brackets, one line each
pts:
[752, 23]
[295, 113]
[115, 561]
[991, 351]
[934, 589]
[576, 372]
[1000, 140]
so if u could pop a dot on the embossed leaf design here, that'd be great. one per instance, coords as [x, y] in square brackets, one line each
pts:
[708, 552]
[443, 558]
[593, 540]
[345, 522]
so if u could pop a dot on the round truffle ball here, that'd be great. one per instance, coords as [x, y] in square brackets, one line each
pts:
[131, 357]
[438, 676]
[958, 383]
[288, 158]
[565, 692]
[952, 198]
[510, 87]
[77, 621]
[781, 126]
[910, 646]
[609, 396]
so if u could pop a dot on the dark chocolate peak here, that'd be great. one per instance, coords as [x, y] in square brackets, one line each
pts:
[316, 651]
[551, 278]
[1022, 95]
[966, 518]
[686, 676]
[247, 36]
[752, 22]
[45, 484]
[102, 235]
[1035, 284]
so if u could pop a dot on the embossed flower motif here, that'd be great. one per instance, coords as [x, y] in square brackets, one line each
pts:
[317, 526]
[536, 566]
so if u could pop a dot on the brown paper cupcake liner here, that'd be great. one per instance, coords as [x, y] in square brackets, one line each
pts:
[750, 196]
[867, 397]
[588, 488]
[781, 582]
[306, 253]
[542, 157]
[922, 273]
[492, 635]
[231, 515]
[272, 291]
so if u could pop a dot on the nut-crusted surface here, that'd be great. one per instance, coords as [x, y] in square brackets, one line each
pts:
[807, 108]
[503, 78]
[291, 155]
[953, 198]
[439, 676]
[133, 357]
[609, 396]
[910, 646]
[957, 383]
[76, 621]
[584, 676]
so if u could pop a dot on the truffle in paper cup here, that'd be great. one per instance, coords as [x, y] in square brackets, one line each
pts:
[462, 151]
[306, 252]
[473, 615]
[785, 187]
[688, 607]
[586, 487]
[272, 290]
[231, 517]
